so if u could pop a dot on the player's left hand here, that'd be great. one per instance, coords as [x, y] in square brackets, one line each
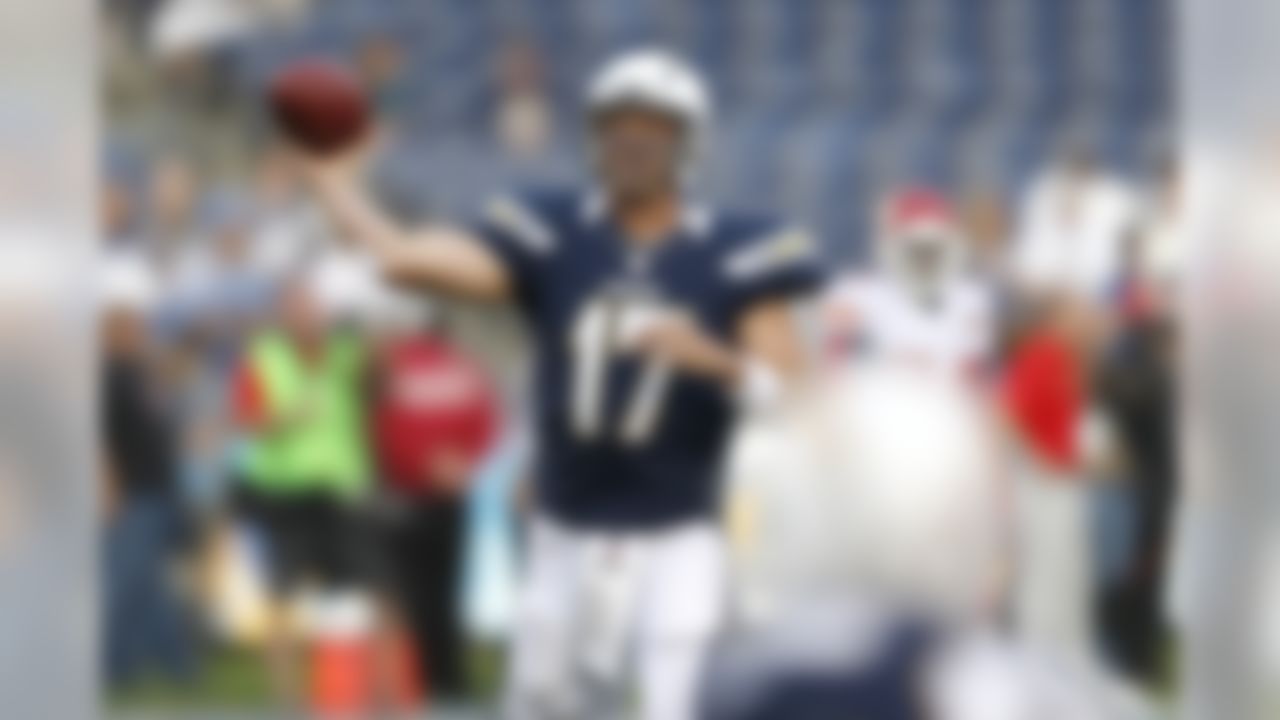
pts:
[676, 339]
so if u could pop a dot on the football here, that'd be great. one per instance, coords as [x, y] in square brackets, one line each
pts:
[319, 104]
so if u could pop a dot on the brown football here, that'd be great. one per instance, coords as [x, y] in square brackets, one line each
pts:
[319, 104]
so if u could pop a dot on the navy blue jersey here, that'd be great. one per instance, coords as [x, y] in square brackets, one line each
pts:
[785, 672]
[622, 440]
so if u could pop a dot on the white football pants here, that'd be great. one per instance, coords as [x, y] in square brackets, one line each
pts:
[1054, 588]
[608, 622]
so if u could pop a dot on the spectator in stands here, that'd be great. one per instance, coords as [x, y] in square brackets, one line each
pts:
[434, 417]
[1072, 222]
[985, 216]
[522, 121]
[1136, 386]
[145, 626]
[287, 229]
[304, 476]
[173, 192]
[202, 404]
[380, 60]
[219, 291]
[116, 206]
[196, 102]
[986, 221]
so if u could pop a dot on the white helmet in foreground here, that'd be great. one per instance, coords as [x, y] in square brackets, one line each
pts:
[883, 484]
[657, 80]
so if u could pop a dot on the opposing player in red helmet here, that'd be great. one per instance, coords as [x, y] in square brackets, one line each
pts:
[917, 304]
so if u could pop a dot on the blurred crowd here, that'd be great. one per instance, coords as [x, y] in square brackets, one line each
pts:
[270, 425]
[275, 420]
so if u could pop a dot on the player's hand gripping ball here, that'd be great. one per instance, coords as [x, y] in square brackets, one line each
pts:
[319, 105]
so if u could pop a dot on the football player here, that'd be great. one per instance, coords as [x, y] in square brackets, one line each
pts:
[653, 318]
[917, 307]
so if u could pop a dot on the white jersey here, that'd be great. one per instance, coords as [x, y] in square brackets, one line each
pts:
[874, 318]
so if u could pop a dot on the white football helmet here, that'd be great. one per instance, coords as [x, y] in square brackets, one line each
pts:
[885, 484]
[658, 80]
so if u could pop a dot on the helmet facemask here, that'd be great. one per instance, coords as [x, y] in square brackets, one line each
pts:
[636, 148]
[919, 245]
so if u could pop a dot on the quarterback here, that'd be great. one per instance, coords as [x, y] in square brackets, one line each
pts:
[654, 318]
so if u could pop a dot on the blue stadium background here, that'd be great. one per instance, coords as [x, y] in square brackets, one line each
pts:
[819, 102]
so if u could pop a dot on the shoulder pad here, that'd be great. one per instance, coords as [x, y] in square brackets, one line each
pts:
[528, 217]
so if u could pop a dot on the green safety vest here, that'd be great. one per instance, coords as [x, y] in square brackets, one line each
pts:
[326, 450]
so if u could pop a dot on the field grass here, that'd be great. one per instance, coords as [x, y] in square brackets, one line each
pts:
[237, 680]
[231, 679]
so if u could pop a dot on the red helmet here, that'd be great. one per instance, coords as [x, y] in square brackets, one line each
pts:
[916, 207]
[918, 236]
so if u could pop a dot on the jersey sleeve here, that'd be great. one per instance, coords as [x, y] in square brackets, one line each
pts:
[517, 229]
[776, 263]
[1042, 402]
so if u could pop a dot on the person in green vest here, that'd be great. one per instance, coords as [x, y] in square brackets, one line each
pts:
[304, 473]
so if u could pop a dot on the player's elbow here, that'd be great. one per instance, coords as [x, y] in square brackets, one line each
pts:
[419, 265]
